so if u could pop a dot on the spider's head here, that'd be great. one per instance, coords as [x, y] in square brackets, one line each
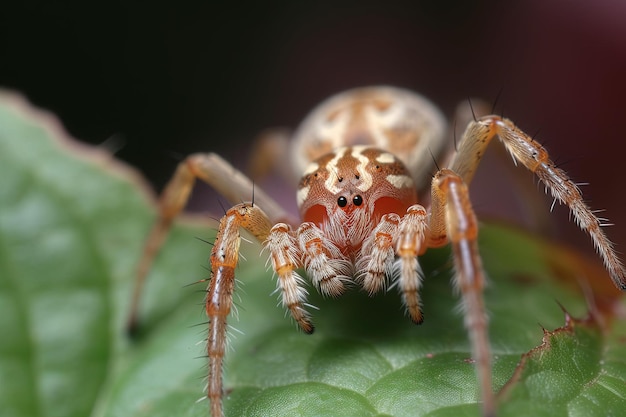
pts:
[355, 178]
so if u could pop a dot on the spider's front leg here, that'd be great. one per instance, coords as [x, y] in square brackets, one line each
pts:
[401, 237]
[307, 247]
[453, 220]
[224, 258]
[221, 176]
[286, 255]
[234, 186]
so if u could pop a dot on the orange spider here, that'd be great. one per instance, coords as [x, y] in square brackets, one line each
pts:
[364, 156]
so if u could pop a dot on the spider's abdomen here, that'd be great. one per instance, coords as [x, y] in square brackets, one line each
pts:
[347, 191]
[397, 120]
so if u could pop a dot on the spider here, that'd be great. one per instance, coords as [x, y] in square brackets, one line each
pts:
[364, 158]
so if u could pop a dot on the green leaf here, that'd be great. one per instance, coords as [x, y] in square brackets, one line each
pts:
[72, 224]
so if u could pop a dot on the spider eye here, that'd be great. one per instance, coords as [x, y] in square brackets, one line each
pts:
[342, 201]
[357, 200]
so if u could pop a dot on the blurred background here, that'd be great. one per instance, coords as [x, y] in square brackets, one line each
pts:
[156, 82]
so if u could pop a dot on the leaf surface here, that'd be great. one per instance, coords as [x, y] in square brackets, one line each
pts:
[72, 224]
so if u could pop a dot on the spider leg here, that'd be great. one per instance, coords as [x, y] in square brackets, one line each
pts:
[268, 154]
[402, 237]
[328, 268]
[536, 159]
[410, 243]
[220, 175]
[224, 258]
[285, 256]
[377, 254]
[453, 219]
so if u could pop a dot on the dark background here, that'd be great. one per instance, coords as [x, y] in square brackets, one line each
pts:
[164, 81]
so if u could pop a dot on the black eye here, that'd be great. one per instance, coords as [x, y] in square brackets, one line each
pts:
[342, 201]
[357, 200]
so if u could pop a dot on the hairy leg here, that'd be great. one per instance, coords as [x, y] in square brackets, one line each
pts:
[411, 236]
[219, 299]
[453, 219]
[285, 256]
[535, 158]
[220, 175]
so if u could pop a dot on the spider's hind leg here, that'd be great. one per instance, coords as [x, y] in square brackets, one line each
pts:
[535, 158]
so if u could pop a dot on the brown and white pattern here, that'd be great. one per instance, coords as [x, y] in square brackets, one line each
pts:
[363, 155]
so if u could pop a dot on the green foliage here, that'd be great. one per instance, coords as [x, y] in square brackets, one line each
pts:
[72, 224]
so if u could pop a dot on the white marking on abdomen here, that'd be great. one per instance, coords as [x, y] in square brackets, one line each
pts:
[385, 158]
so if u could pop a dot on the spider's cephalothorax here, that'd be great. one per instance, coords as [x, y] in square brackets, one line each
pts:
[363, 157]
[352, 202]
[347, 191]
